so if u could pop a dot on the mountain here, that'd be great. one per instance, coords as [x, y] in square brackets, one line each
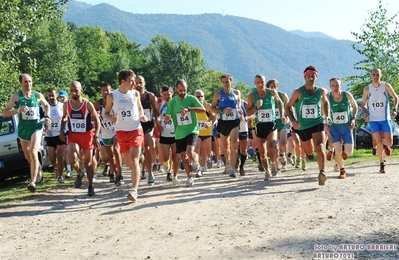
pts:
[311, 34]
[240, 46]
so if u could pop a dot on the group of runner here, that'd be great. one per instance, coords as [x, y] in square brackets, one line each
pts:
[132, 125]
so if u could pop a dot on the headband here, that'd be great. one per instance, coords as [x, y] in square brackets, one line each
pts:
[310, 71]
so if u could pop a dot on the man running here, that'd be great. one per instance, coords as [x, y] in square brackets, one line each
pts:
[227, 103]
[55, 147]
[149, 104]
[108, 135]
[262, 101]
[376, 111]
[79, 113]
[310, 101]
[125, 102]
[343, 108]
[25, 103]
[182, 110]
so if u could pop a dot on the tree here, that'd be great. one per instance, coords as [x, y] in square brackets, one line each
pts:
[94, 58]
[53, 49]
[17, 19]
[166, 62]
[378, 42]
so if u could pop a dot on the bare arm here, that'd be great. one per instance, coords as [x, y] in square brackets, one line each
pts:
[96, 120]
[354, 106]
[214, 103]
[46, 106]
[391, 92]
[325, 102]
[108, 109]
[364, 103]
[143, 118]
[296, 95]
[9, 110]
[64, 120]
[279, 103]
[251, 109]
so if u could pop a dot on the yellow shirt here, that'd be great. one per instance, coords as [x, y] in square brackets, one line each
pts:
[203, 118]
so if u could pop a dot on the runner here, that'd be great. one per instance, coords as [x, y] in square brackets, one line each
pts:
[343, 108]
[376, 111]
[55, 147]
[26, 104]
[262, 101]
[108, 135]
[79, 114]
[281, 126]
[204, 141]
[125, 102]
[149, 104]
[182, 111]
[308, 101]
[167, 137]
[227, 103]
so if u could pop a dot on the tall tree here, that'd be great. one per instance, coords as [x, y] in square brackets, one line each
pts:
[378, 42]
[166, 62]
[94, 58]
[53, 49]
[17, 19]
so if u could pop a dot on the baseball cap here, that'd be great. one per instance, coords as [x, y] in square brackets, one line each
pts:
[62, 93]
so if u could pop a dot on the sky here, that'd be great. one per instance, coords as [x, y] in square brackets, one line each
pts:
[336, 18]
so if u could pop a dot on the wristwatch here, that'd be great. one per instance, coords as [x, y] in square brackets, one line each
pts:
[95, 136]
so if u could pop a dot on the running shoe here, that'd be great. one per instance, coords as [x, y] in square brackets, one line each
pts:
[330, 155]
[112, 178]
[60, 179]
[151, 180]
[342, 174]
[168, 176]
[132, 195]
[119, 180]
[268, 175]
[32, 186]
[303, 165]
[190, 182]
[69, 174]
[90, 190]
[175, 181]
[387, 150]
[78, 181]
[242, 171]
[322, 178]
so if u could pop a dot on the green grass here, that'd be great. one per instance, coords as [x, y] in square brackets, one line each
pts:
[15, 189]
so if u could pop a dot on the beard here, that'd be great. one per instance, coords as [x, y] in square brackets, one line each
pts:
[182, 95]
[76, 97]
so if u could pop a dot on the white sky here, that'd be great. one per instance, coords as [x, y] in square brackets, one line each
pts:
[336, 18]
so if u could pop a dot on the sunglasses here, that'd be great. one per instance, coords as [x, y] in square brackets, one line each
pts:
[199, 96]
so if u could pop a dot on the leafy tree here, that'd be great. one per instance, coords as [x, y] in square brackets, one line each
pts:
[17, 19]
[94, 58]
[378, 43]
[124, 54]
[166, 62]
[52, 48]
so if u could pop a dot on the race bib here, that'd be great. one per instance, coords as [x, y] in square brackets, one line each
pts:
[377, 105]
[230, 116]
[277, 114]
[125, 115]
[54, 126]
[184, 120]
[78, 125]
[31, 114]
[309, 111]
[265, 115]
[147, 113]
[201, 124]
[340, 118]
[168, 125]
